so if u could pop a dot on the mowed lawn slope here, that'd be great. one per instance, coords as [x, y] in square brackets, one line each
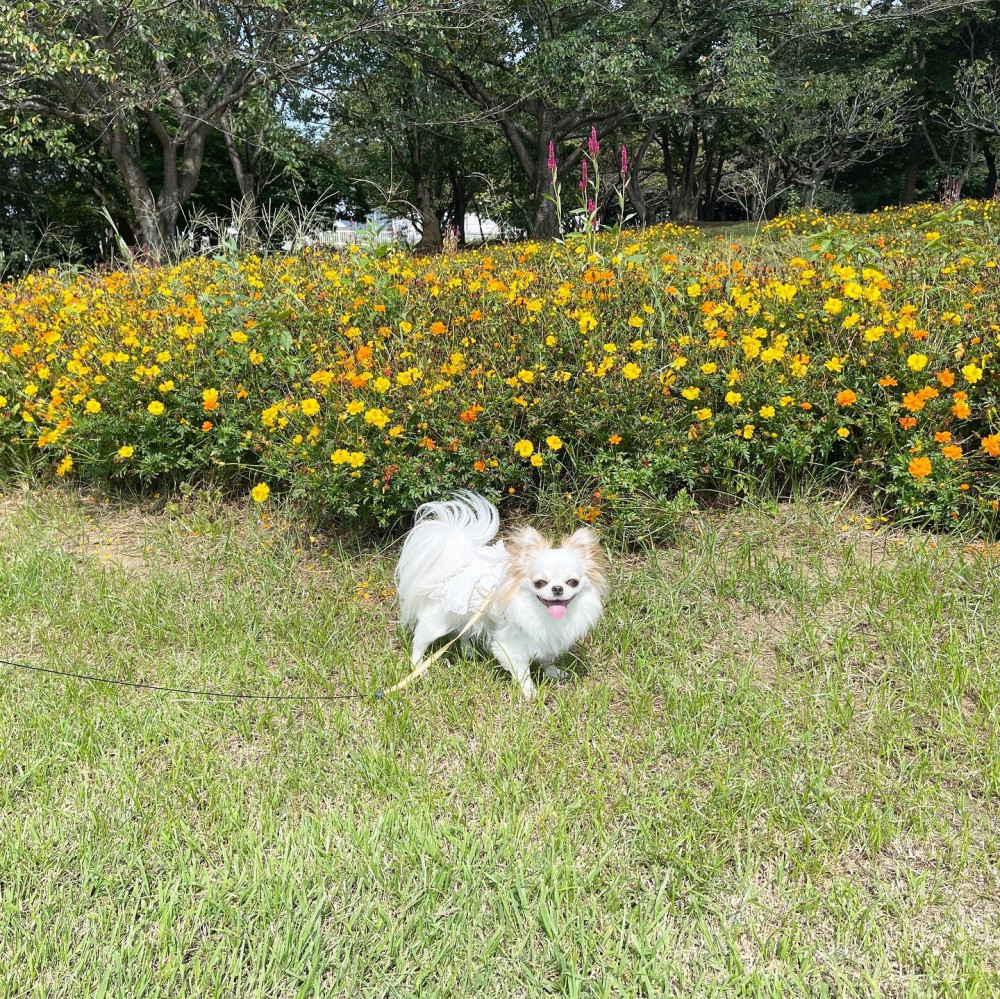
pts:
[776, 774]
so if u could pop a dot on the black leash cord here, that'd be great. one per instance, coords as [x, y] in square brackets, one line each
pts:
[195, 693]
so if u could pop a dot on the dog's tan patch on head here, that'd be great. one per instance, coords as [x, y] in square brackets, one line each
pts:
[587, 545]
[524, 542]
[520, 546]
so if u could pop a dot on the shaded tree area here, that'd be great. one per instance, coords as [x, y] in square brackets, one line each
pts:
[136, 118]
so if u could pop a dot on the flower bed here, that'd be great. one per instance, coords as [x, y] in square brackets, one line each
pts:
[858, 350]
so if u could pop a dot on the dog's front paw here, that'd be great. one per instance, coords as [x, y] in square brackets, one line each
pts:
[529, 689]
[554, 673]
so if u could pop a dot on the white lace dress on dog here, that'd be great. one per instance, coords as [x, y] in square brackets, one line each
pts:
[465, 592]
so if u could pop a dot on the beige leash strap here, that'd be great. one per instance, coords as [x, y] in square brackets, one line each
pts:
[428, 661]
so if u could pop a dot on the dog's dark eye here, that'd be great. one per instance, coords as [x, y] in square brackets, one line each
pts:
[539, 583]
[572, 582]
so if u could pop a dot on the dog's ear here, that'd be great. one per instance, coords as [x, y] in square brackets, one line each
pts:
[588, 546]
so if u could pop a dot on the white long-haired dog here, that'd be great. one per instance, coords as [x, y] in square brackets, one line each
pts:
[544, 600]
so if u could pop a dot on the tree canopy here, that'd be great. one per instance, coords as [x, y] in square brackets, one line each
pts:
[142, 109]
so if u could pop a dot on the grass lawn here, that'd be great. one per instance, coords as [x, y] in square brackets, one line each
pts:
[776, 774]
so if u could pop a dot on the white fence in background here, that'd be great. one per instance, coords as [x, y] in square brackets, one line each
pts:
[347, 237]
[478, 229]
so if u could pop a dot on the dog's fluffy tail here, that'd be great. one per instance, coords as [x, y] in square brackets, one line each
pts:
[444, 538]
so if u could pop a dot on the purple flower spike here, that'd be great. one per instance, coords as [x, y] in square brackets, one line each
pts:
[583, 177]
[624, 160]
[552, 157]
[593, 146]
[591, 206]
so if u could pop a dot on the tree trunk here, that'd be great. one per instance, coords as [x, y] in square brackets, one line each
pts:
[459, 202]
[991, 171]
[430, 229]
[544, 225]
[772, 205]
[157, 216]
[633, 188]
[245, 165]
[139, 193]
[713, 178]
[684, 196]
[909, 192]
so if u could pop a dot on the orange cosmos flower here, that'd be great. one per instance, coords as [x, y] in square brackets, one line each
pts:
[907, 422]
[920, 467]
[946, 378]
[952, 452]
[943, 437]
[991, 445]
[846, 397]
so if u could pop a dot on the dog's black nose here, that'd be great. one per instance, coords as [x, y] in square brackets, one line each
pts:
[557, 591]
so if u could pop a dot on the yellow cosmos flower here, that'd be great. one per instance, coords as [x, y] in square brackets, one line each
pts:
[631, 371]
[92, 406]
[260, 492]
[524, 448]
[553, 442]
[733, 398]
[155, 407]
[709, 368]
[381, 385]
[691, 392]
[64, 466]
[310, 407]
[917, 362]
[537, 460]
[126, 452]
[833, 306]
[972, 373]
[703, 414]
[376, 418]
[354, 407]
[767, 412]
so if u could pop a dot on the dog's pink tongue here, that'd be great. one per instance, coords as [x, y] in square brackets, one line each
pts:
[557, 610]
